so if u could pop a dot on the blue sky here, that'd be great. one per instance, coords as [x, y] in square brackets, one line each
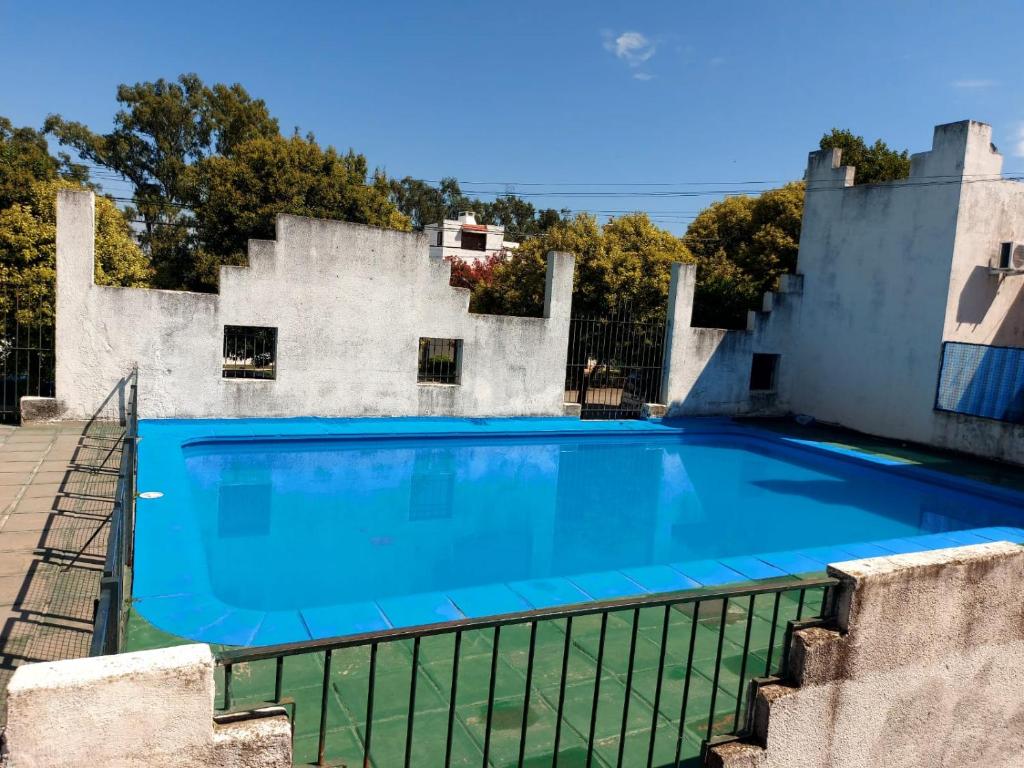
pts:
[546, 93]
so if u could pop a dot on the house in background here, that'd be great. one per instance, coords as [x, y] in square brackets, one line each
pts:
[466, 239]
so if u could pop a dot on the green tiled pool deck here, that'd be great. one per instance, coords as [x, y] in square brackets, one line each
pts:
[253, 685]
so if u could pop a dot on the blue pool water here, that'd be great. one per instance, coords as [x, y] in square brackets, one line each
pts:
[281, 531]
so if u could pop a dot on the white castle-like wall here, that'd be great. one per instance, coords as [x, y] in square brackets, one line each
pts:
[886, 273]
[350, 303]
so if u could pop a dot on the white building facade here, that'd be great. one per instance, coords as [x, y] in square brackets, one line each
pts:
[465, 239]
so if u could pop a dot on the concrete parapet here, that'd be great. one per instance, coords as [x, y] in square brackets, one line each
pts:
[151, 708]
[921, 669]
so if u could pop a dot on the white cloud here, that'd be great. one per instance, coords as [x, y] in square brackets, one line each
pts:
[973, 83]
[634, 48]
[643, 76]
[1018, 142]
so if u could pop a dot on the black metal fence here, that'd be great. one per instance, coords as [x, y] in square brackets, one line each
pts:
[26, 353]
[115, 583]
[981, 380]
[637, 681]
[614, 365]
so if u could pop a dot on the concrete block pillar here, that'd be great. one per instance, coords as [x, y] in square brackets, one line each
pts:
[558, 285]
[677, 325]
[76, 260]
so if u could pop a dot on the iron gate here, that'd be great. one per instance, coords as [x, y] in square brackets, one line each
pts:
[614, 365]
[26, 354]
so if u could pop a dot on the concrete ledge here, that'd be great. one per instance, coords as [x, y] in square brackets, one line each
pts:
[653, 410]
[572, 409]
[921, 668]
[152, 708]
[40, 409]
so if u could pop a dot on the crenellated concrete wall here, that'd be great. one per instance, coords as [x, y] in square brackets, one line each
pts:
[921, 669]
[350, 303]
[886, 273]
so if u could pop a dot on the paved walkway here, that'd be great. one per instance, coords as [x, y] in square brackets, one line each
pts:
[57, 484]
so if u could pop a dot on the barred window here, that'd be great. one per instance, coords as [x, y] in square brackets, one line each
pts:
[250, 352]
[440, 361]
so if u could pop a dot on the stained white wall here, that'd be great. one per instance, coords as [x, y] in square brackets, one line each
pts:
[886, 272]
[150, 709]
[350, 303]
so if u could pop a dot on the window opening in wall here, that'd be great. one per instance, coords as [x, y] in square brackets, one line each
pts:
[474, 241]
[250, 352]
[763, 369]
[440, 361]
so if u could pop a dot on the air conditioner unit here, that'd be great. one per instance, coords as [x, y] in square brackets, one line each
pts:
[1011, 259]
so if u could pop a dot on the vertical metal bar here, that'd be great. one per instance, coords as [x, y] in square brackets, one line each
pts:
[686, 683]
[412, 701]
[526, 695]
[771, 636]
[322, 740]
[800, 605]
[369, 704]
[451, 702]
[227, 685]
[561, 690]
[743, 663]
[629, 685]
[718, 666]
[597, 688]
[278, 675]
[657, 685]
[490, 695]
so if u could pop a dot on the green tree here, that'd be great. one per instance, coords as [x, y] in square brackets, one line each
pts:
[626, 262]
[874, 163]
[243, 193]
[25, 159]
[28, 249]
[204, 162]
[742, 244]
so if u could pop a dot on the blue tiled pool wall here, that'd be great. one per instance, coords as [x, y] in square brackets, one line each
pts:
[180, 598]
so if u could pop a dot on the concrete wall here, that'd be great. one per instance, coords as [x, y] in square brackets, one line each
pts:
[922, 669]
[350, 303]
[886, 272]
[152, 709]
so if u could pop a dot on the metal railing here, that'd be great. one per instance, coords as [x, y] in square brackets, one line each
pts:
[115, 583]
[26, 352]
[614, 364]
[637, 681]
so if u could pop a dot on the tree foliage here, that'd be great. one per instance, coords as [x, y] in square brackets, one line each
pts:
[25, 159]
[874, 163]
[742, 244]
[210, 170]
[28, 249]
[425, 204]
[627, 262]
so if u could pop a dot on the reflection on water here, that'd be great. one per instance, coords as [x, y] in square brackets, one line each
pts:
[298, 524]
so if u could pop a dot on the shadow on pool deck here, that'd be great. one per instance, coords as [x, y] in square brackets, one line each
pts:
[57, 485]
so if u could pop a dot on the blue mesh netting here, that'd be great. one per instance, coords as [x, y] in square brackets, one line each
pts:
[982, 381]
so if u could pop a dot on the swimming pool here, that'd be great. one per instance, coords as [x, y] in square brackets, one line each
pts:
[274, 531]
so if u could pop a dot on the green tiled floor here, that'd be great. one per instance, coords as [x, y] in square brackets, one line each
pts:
[253, 685]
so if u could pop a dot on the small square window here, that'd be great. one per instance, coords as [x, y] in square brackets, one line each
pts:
[250, 352]
[763, 369]
[440, 361]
